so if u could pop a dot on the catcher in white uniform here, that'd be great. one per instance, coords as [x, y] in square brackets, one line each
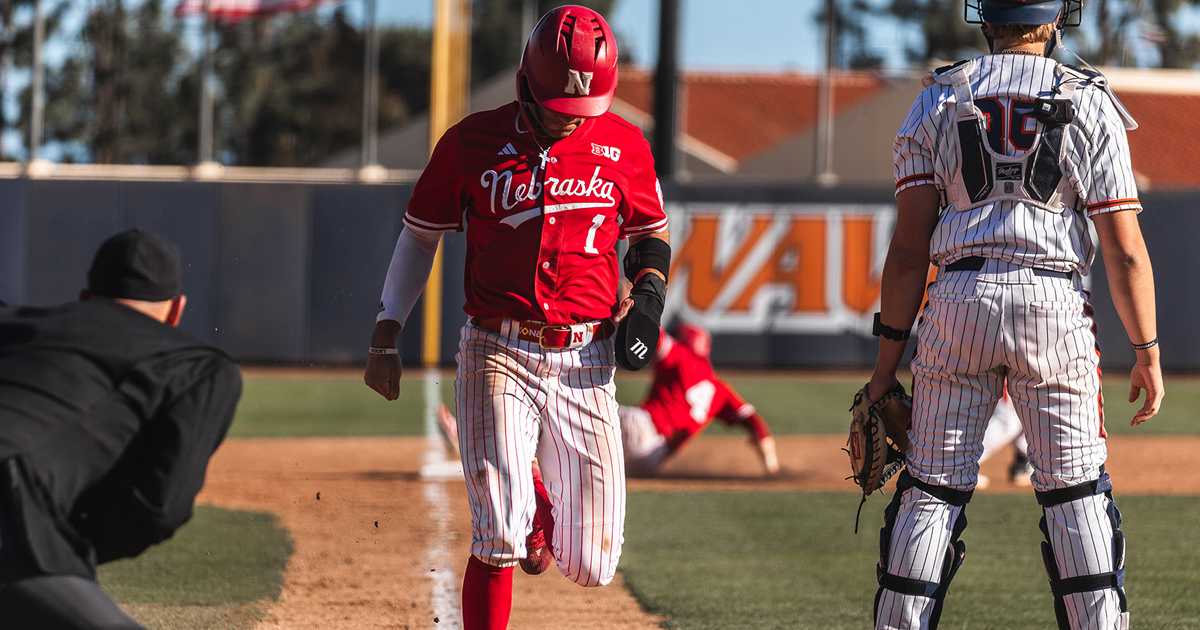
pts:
[999, 165]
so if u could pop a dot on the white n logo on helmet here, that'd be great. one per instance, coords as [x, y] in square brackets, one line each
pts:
[578, 83]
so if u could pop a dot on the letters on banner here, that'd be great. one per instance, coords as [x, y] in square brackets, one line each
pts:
[778, 268]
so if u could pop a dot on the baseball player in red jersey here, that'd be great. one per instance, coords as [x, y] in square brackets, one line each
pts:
[1000, 165]
[544, 187]
[684, 397]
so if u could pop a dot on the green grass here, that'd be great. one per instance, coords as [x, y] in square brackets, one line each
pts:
[343, 405]
[220, 556]
[1176, 416]
[331, 406]
[790, 560]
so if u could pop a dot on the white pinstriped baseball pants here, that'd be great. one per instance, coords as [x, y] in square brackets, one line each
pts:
[516, 400]
[1036, 331]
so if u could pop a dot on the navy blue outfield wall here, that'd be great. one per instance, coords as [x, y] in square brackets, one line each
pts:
[290, 273]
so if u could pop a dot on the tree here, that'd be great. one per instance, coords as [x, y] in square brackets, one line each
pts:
[946, 35]
[16, 51]
[118, 97]
[1175, 49]
[497, 36]
[853, 40]
[292, 87]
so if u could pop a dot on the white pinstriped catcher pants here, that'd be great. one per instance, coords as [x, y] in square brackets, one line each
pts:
[1036, 331]
[516, 401]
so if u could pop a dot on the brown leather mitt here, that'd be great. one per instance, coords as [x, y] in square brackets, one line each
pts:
[878, 437]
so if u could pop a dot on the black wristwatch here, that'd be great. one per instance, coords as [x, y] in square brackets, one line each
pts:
[887, 332]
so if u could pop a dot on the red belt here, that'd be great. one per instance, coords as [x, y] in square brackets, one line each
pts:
[556, 337]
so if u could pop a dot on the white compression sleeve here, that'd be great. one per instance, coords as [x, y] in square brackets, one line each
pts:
[408, 272]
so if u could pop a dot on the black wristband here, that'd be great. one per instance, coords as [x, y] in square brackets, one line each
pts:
[1146, 346]
[887, 332]
[648, 253]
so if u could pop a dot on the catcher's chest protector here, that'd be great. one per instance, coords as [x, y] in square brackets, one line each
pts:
[1035, 175]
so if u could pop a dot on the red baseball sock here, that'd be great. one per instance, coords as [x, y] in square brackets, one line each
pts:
[486, 596]
[542, 515]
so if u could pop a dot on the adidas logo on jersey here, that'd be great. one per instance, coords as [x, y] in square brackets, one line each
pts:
[508, 150]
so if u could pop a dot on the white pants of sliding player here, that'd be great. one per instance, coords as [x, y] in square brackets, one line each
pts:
[979, 329]
[517, 401]
[645, 447]
[1003, 429]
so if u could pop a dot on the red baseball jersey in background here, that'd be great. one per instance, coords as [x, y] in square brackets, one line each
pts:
[686, 395]
[541, 227]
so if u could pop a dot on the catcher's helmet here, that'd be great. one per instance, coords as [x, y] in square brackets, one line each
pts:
[570, 63]
[695, 337]
[1062, 12]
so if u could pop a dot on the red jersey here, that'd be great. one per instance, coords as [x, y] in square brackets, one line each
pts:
[686, 395]
[541, 225]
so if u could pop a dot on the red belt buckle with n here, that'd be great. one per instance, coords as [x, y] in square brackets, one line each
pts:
[564, 337]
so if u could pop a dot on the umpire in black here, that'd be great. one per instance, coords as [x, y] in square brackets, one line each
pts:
[108, 417]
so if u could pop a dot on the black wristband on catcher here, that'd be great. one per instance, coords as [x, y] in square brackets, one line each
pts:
[648, 253]
[1146, 346]
[887, 332]
[637, 334]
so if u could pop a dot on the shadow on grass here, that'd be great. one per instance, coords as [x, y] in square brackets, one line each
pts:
[218, 569]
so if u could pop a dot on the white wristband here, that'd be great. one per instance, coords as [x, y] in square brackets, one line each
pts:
[374, 350]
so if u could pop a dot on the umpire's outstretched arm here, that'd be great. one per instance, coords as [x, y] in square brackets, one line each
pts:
[150, 491]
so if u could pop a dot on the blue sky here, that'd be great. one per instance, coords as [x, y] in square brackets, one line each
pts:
[747, 34]
[774, 34]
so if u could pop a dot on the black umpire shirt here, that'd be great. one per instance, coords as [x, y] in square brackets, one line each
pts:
[107, 422]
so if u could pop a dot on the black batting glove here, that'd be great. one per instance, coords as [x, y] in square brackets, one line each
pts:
[637, 334]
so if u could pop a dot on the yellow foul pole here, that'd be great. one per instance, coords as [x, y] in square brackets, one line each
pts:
[448, 98]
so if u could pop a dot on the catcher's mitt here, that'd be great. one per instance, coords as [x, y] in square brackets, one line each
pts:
[878, 438]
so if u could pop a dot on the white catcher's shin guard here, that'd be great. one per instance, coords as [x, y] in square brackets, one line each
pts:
[1084, 555]
[929, 520]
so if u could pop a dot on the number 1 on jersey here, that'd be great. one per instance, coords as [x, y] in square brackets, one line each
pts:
[590, 245]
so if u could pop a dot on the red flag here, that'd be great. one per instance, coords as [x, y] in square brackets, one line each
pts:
[237, 10]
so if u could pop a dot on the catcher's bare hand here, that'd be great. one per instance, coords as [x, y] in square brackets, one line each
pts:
[1148, 376]
[880, 384]
[383, 375]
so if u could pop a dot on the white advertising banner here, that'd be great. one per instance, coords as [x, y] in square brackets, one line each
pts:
[778, 268]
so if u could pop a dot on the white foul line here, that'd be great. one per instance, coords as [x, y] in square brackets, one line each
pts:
[434, 475]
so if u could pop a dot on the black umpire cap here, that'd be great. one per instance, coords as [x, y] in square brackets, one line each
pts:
[136, 265]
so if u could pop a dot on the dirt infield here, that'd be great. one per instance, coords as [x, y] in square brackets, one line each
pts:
[356, 509]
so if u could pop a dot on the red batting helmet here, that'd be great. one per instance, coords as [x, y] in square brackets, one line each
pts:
[695, 337]
[570, 63]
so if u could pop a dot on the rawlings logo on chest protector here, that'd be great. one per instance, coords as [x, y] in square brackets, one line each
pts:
[1008, 171]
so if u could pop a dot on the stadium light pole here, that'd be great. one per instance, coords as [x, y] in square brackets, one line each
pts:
[823, 162]
[370, 170]
[206, 168]
[528, 20]
[37, 115]
[666, 85]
